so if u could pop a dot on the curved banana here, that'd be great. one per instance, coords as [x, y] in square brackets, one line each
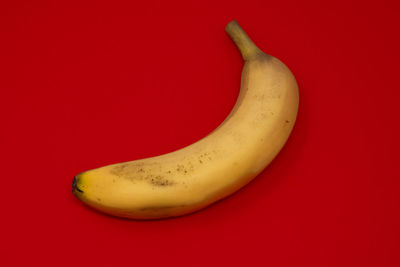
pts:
[193, 177]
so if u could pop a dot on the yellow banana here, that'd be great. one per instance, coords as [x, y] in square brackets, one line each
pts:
[214, 167]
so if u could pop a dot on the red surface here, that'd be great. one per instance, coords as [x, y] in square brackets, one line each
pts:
[84, 84]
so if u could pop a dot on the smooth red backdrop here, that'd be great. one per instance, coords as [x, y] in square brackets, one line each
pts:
[89, 83]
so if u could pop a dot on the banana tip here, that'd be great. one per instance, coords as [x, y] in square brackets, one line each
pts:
[75, 187]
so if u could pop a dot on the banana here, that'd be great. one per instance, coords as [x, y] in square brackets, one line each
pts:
[214, 167]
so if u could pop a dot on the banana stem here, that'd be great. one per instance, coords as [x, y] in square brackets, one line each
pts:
[246, 46]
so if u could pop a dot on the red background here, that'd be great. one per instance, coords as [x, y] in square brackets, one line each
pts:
[84, 84]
